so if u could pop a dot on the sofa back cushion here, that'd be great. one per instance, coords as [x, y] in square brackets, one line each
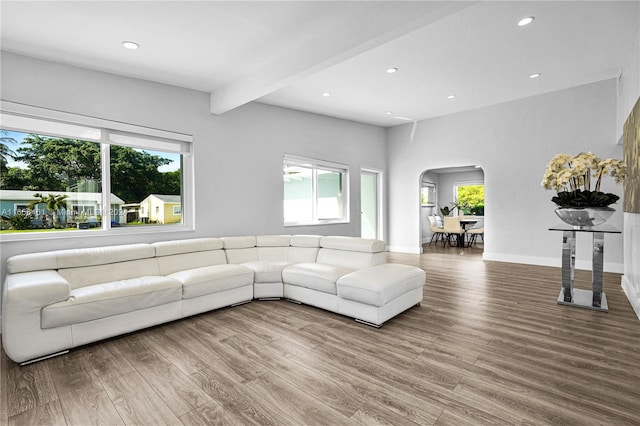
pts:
[273, 240]
[62, 259]
[350, 259]
[193, 245]
[304, 248]
[240, 249]
[273, 247]
[366, 245]
[89, 275]
[180, 255]
[352, 252]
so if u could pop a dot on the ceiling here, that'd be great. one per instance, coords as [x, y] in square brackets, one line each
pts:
[289, 53]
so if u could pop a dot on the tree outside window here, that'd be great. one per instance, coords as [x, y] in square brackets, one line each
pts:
[470, 198]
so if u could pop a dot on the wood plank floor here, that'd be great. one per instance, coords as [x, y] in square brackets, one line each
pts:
[488, 345]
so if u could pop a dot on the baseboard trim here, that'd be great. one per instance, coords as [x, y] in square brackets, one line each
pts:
[617, 268]
[632, 294]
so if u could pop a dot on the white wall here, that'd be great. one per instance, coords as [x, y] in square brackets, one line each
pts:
[238, 155]
[628, 94]
[512, 142]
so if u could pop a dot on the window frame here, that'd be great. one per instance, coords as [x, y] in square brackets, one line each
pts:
[465, 183]
[20, 115]
[314, 165]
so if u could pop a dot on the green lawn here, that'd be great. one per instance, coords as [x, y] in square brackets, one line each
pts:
[20, 231]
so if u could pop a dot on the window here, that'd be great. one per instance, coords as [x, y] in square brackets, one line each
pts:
[470, 198]
[315, 192]
[428, 194]
[58, 175]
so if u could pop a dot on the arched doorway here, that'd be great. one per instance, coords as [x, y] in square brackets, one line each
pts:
[459, 189]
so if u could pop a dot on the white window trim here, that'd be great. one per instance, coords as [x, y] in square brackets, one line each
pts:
[108, 131]
[314, 164]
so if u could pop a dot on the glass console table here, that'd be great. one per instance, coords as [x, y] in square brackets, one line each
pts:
[590, 299]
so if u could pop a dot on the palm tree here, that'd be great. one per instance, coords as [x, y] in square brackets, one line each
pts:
[53, 203]
[5, 152]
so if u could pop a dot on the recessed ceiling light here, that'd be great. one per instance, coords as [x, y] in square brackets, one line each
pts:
[535, 75]
[389, 112]
[326, 94]
[526, 21]
[451, 97]
[130, 45]
[392, 70]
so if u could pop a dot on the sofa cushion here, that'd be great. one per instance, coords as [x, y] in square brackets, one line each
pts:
[267, 271]
[302, 254]
[380, 284]
[273, 253]
[241, 255]
[182, 262]
[73, 258]
[239, 242]
[353, 244]
[273, 240]
[167, 248]
[351, 259]
[97, 274]
[212, 279]
[314, 276]
[111, 298]
[309, 241]
[304, 248]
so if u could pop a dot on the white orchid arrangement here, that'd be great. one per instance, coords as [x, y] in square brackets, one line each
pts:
[571, 177]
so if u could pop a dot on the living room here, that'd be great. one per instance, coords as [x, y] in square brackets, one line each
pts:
[236, 185]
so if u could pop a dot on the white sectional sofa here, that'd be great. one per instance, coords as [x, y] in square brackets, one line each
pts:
[57, 300]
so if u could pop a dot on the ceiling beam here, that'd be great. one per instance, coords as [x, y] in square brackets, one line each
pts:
[383, 22]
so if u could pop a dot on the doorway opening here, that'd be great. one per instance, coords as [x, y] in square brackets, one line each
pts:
[448, 192]
[371, 204]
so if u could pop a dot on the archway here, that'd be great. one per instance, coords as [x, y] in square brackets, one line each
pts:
[453, 188]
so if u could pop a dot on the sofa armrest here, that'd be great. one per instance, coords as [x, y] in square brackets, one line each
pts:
[34, 290]
[23, 297]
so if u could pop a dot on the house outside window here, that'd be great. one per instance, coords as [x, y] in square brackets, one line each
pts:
[315, 191]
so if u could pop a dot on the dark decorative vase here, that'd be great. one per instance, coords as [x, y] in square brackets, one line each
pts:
[581, 217]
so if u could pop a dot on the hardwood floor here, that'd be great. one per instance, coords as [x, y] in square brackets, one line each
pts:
[488, 345]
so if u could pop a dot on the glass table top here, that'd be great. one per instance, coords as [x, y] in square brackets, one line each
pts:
[608, 229]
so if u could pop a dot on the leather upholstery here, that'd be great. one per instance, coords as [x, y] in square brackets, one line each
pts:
[61, 299]
[316, 276]
[212, 279]
[113, 298]
[380, 284]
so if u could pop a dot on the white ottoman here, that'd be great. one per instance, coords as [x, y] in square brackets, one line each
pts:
[374, 295]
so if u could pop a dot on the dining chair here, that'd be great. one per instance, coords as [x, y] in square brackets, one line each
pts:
[473, 235]
[452, 228]
[438, 232]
